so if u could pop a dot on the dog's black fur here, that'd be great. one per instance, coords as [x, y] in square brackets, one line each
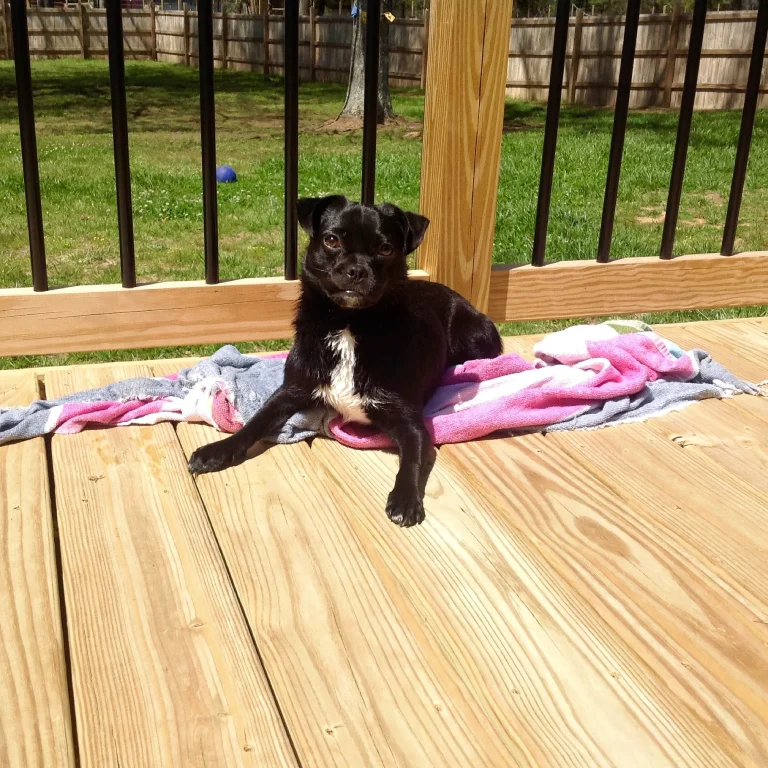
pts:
[405, 335]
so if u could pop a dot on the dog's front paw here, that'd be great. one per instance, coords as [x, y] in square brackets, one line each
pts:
[216, 456]
[405, 510]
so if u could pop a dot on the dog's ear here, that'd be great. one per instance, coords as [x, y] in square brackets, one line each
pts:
[417, 228]
[310, 209]
[414, 225]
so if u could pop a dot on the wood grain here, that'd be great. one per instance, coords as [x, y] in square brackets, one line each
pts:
[528, 637]
[576, 54]
[535, 605]
[112, 317]
[664, 606]
[5, 16]
[186, 35]
[224, 37]
[627, 286]
[83, 13]
[265, 39]
[359, 677]
[730, 433]
[312, 42]
[153, 30]
[164, 669]
[451, 103]
[742, 346]
[463, 112]
[493, 78]
[89, 318]
[586, 599]
[35, 725]
[672, 52]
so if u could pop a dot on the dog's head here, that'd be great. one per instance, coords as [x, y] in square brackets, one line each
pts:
[356, 252]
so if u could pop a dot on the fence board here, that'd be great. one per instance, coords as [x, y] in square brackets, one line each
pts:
[657, 76]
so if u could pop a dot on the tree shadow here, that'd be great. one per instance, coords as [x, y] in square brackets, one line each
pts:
[165, 96]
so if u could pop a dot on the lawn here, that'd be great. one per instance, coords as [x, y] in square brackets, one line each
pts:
[77, 177]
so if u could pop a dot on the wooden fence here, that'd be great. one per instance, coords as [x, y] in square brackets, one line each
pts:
[593, 51]
[324, 47]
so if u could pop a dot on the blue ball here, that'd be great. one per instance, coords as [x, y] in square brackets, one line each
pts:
[225, 174]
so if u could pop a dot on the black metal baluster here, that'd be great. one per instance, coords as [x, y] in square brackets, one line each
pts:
[291, 137]
[745, 133]
[684, 128]
[120, 143]
[371, 99]
[28, 144]
[619, 130]
[550, 132]
[208, 140]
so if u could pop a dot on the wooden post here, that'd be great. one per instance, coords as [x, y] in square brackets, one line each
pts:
[463, 120]
[186, 34]
[224, 36]
[153, 20]
[425, 49]
[83, 30]
[669, 74]
[312, 41]
[6, 30]
[265, 26]
[575, 56]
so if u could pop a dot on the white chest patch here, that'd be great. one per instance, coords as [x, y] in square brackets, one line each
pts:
[340, 394]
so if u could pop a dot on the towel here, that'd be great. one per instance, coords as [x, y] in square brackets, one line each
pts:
[583, 377]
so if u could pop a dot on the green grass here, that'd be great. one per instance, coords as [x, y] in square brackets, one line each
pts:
[77, 178]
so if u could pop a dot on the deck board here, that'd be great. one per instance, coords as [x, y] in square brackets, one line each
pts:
[718, 518]
[164, 669]
[686, 651]
[35, 726]
[348, 657]
[499, 618]
[740, 346]
[583, 599]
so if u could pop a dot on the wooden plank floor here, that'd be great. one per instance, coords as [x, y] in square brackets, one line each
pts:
[576, 599]
[35, 723]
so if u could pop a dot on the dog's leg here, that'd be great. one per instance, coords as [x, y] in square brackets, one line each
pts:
[405, 427]
[231, 451]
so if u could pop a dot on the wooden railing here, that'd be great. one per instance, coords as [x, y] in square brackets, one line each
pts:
[462, 142]
[462, 136]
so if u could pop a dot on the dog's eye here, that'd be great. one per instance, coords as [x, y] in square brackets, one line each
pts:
[332, 241]
[386, 250]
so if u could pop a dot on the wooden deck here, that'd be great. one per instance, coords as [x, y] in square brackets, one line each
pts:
[580, 599]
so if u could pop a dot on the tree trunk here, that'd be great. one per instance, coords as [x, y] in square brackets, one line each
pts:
[353, 106]
[304, 7]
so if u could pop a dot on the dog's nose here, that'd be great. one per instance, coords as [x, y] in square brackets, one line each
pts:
[355, 272]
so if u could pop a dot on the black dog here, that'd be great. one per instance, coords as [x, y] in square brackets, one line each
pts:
[370, 343]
